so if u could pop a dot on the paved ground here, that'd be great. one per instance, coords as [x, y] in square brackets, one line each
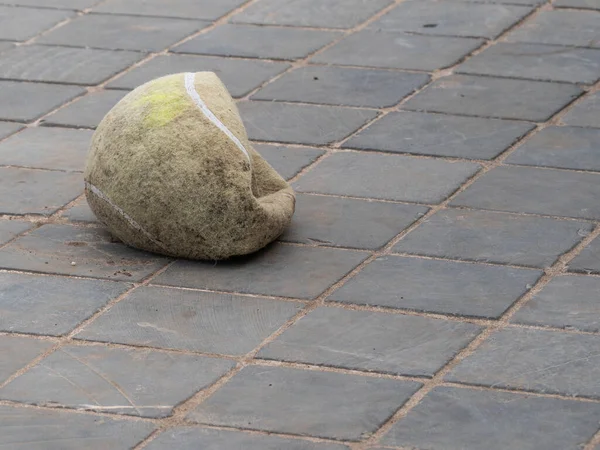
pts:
[439, 288]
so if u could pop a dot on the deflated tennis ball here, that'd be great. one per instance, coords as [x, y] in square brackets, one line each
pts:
[171, 171]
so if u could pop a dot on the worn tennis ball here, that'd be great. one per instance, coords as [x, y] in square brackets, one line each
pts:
[170, 170]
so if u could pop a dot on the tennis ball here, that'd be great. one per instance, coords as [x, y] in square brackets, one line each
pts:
[170, 170]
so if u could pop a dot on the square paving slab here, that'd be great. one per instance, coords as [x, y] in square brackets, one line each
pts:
[320, 404]
[16, 353]
[197, 321]
[51, 305]
[122, 381]
[87, 111]
[21, 24]
[494, 97]
[585, 113]
[373, 341]
[461, 419]
[446, 287]
[185, 9]
[286, 160]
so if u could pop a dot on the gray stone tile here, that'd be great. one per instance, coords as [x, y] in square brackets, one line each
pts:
[52, 249]
[509, 2]
[549, 191]
[446, 287]
[568, 301]
[197, 321]
[16, 353]
[253, 41]
[364, 340]
[345, 222]
[183, 438]
[591, 4]
[585, 113]
[281, 270]
[64, 4]
[288, 161]
[80, 212]
[311, 13]
[321, 404]
[63, 64]
[240, 76]
[537, 62]
[8, 128]
[47, 148]
[534, 360]
[440, 135]
[494, 237]
[588, 261]
[390, 177]
[26, 191]
[21, 24]
[51, 305]
[185, 9]
[121, 381]
[25, 102]
[494, 97]
[11, 228]
[301, 124]
[461, 419]
[372, 48]
[86, 112]
[562, 147]
[343, 86]
[451, 18]
[577, 28]
[115, 32]
[34, 429]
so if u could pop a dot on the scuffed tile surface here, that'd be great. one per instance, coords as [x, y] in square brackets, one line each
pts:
[9, 229]
[585, 113]
[372, 48]
[461, 419]
[252, 41]
[86, 112]
[551, 192]
[21, 24]
[198, 321]
[348, 222]
[52, 249]
[447, 287]
[568, 301]
[364, 340]
[80, 212]
[185, 9]
[47, 148]
[451, 18]
[124, 381]
[494, 237]
[440, 135]
[343, 86]
[211, 439]
[25, 102]
[115, 32]
[239, 76]
[561, 147]
[386, 177]
[537, 62]
[42, 429]
[494, 97]
[312, 13]
[288, 161]
[534, 360]
[16, 353]
[301, 124]
[51, 305]
[26, 191]
[304, 402]
[576, 28]
[282, 270]
[64, 65]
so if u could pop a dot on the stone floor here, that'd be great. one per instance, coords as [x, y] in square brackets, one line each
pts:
[439, 288]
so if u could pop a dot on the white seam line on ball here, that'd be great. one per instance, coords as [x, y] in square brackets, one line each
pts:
[122, 213]
[190, 87]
